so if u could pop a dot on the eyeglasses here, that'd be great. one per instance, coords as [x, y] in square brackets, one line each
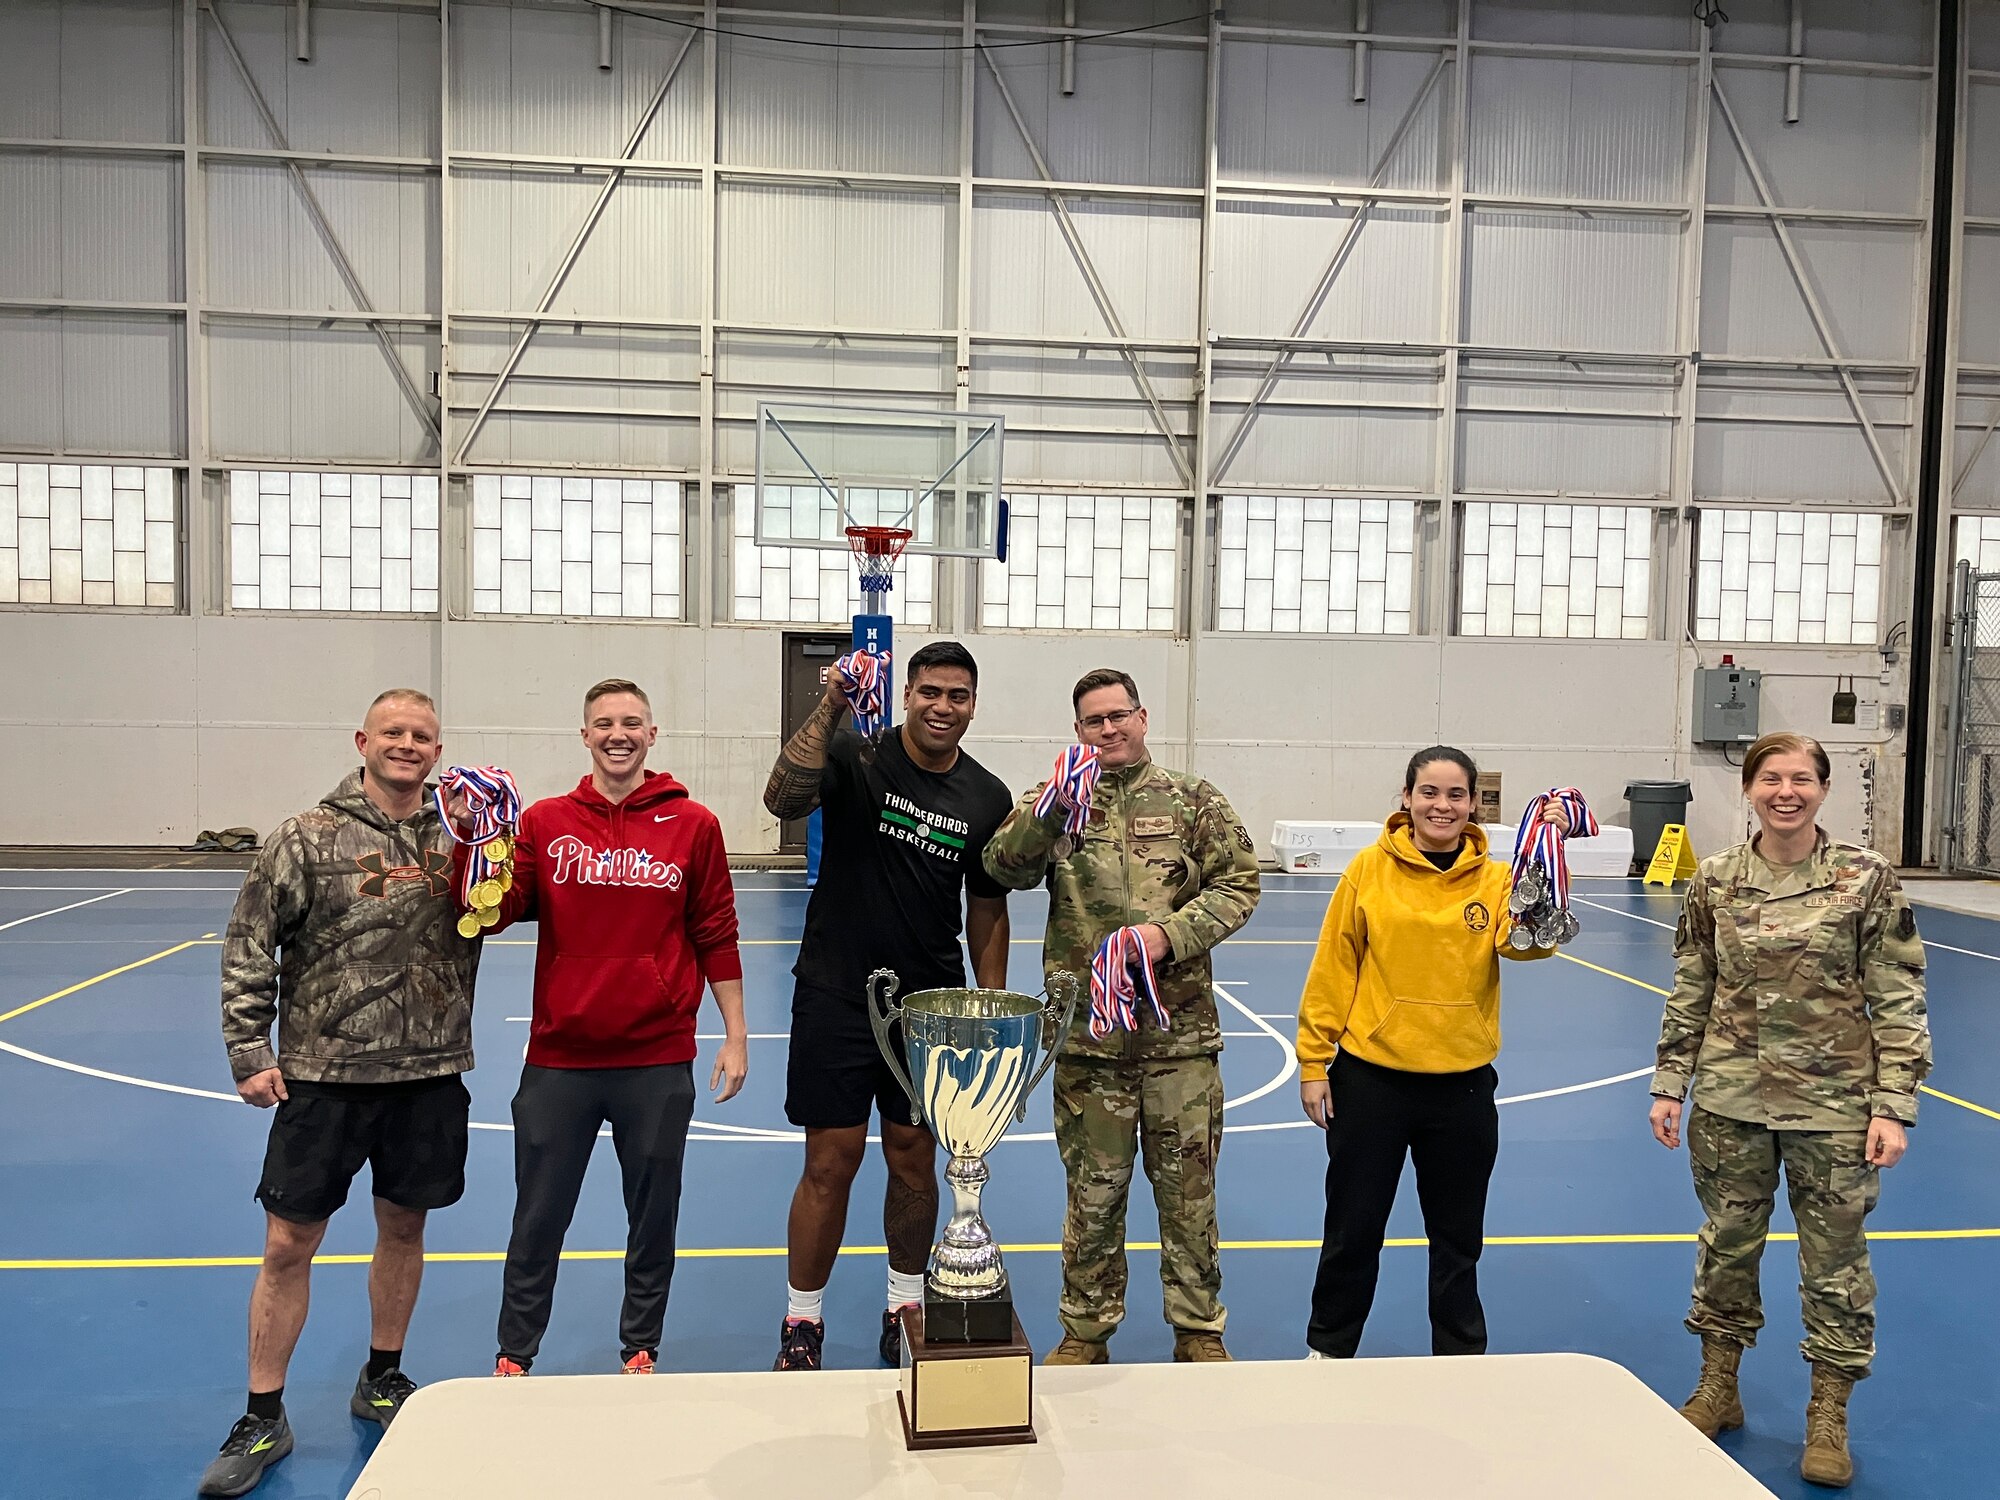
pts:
[1115, 719]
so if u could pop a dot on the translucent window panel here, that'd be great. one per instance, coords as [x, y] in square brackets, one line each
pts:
[88, 534]
[1287, 563]
[817, 586]
[1976, 539]
[1788, 576]
[364, 543]
[543, 545]
[1566, 571]
[1086, 562]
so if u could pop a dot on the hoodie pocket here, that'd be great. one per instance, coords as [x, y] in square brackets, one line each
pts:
[593, 1001]
[1452, 1032]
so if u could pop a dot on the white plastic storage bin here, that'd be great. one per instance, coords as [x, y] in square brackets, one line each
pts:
[1607, 855]
[1319, 848]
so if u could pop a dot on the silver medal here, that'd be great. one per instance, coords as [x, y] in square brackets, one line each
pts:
[1548, 932]
[1522, 899]
[1570, 926]
[1065, 847]
[1521, 938]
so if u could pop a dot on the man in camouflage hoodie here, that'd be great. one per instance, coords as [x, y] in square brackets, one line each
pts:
[344, 934]
[1163, 852]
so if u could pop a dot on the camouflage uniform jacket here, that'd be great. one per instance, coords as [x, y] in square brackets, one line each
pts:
[1798, 997]
[345, 932]
[1160, 847]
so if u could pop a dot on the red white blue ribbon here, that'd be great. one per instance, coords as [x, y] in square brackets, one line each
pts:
[867, 690]
[1071, 786]
[493, 804]
[1539, 842]
[1119, 975]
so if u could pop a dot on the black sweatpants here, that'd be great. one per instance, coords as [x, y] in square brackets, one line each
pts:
[1449, 1126]
[557, 1112]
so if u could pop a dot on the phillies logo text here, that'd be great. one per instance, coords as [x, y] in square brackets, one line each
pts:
[576, 861]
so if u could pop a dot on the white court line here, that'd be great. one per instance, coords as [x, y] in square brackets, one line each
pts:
[52, 911]
[1968, 952]
[1291, 1062]
[140, 1083]
[1569, 1088]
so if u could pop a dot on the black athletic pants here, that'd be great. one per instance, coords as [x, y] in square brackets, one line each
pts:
[1450, 1128]
[557, 1112]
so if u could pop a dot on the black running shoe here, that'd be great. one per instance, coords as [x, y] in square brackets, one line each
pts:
[253, 1445]
[892, 1338]
[799, 1341]
[379, 1400]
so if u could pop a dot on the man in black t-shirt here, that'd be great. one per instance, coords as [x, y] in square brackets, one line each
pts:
[905, 820]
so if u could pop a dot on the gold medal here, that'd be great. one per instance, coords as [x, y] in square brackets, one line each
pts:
[498, 849]
[489, 916]
[468, 926]
[506, 878]
[486, 893]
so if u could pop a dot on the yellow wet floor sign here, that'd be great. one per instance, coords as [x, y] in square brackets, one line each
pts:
[1673, 859]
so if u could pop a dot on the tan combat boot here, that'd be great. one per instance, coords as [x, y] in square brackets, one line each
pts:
[1716, 1405]
[1075, 1351]
[1827, 1461]
[1199, 1349]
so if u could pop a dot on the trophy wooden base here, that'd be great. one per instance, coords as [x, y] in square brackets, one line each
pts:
[964, 1395]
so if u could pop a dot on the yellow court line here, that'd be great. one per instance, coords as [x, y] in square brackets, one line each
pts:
[1613, 973]
[22, 1010]
[772, 1252]
[1977, 1109]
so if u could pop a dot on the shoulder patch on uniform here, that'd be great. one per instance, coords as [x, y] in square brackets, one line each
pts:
[1906, 923]
[1243, 840]
[1152, 828]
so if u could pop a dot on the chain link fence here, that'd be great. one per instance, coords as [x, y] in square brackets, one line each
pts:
[1972, 817]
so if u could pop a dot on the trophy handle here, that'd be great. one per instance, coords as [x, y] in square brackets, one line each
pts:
[1063, 989]
[884, 1012]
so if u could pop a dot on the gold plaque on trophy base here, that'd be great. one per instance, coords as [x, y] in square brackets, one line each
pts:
[962, 1395]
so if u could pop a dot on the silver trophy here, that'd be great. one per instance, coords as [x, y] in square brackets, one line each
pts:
[971, 1066]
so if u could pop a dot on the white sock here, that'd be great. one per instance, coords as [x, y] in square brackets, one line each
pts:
[905, 1288]
[805, 1305]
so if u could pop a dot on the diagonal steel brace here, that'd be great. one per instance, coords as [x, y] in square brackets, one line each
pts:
[1806, 292]
[418, 402]
[1135, 358]
[568, 261]
[1336, 263]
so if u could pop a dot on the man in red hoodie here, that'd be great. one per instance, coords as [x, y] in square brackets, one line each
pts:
[627, 877]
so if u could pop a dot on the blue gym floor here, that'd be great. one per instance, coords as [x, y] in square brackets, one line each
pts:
[129, 1236]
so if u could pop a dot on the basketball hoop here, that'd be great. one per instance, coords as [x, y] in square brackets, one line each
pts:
[876, 550]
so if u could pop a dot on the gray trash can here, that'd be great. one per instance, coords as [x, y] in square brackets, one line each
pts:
[1654, 804]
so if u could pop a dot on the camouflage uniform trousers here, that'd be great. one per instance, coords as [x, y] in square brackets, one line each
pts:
[1832, 1189]
[1167, 1114]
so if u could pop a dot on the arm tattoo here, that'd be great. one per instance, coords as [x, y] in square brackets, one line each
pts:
[909, 1220]
[793, 790]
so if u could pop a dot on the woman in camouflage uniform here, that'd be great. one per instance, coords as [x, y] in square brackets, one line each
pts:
[1798, 1011]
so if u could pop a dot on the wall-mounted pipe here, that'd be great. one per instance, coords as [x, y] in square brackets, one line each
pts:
[1069, 49]
[302, 11]
[604, 38]
[1361, 53]
[1795, 72]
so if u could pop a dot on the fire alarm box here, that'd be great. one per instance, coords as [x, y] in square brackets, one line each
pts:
[1726, 702]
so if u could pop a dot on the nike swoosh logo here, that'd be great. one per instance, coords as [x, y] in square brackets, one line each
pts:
[665, 817]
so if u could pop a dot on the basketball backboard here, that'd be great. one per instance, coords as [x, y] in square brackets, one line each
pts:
[822, 468]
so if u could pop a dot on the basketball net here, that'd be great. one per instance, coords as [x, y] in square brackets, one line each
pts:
[876, 551]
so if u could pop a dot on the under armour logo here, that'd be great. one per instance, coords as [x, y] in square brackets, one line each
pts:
[377, 872]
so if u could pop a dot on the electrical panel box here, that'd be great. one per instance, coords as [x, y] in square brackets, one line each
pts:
[1726, 704]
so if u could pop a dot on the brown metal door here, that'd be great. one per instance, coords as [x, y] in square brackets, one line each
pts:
[806, 656]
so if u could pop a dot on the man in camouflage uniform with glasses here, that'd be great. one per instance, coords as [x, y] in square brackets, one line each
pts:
[1163, 852]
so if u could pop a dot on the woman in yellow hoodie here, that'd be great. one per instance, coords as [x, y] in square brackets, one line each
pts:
[1398, 1028]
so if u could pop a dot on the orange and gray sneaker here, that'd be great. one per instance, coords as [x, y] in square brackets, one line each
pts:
[505, 1366]
[641, 1363]
[799, 1341]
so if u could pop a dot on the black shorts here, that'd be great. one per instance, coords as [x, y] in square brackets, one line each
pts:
[835, 1076]
[412, 1137]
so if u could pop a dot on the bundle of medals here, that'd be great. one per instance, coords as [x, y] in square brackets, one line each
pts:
[867, 674]
[494, 807]
[1119, 975]
[1071, 787]
[1540, 900]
